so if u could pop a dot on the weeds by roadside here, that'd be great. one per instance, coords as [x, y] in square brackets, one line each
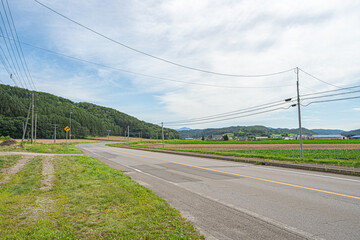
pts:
[88, 200]
[337, 157]
[42, 148]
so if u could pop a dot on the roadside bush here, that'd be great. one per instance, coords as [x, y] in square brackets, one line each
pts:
[3, 138]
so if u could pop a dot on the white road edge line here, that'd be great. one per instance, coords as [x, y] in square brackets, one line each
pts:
[273, 169]
[309, 174]
[248, 212]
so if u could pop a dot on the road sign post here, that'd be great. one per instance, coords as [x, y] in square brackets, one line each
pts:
[67, 129]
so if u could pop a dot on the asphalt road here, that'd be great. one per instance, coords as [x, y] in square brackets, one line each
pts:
[229, 200]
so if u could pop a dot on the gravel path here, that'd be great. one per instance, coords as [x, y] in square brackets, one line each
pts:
[10, 172]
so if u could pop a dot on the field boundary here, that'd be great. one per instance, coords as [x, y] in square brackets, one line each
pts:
[259, 161]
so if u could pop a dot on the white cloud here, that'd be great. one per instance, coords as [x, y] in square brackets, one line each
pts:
[237, 37]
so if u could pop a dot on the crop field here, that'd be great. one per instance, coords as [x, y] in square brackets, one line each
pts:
[233, 147]
[333, 152]
[268, 141]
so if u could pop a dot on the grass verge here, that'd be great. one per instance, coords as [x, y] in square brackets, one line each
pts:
[8, 160]
[320, 141]
[42, 148]
[338, 157]
[89, 200]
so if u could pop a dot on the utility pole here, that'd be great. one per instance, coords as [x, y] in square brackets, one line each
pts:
[32, 118]
[55, 125]
[299, 113]
[162, 133]
[27, 120]
[35, 125]
[70, 129]
[128, 134]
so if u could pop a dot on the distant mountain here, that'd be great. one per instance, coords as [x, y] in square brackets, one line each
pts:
[183, 129]
[328, 131]
[352, 133]
[242, 131]
[86, 119]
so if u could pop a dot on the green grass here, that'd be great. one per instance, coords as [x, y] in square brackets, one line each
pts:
[338, 157]
[42, 148]
[90, 201]
[8, 160]
[258, 142]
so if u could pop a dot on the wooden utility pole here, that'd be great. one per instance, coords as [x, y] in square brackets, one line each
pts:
[299, 113]
[35, 126]
[32, 118]
[128, 132]
[162, 133]
[55, 125]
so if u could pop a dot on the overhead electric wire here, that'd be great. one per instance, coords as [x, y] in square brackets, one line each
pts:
[27, 72]
[20, 77]
[318, 79]
[155, 57]
[336, 90]
[220, 120]
[220, 117]
[141, 74]
[16, 47]
[16, 101]
[251, 109]
[330, 100]
[331, 95]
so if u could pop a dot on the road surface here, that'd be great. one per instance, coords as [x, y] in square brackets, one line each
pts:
[230, 200]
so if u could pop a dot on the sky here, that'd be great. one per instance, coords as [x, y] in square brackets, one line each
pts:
[230, 37]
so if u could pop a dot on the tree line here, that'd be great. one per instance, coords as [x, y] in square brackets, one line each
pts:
[86, 119]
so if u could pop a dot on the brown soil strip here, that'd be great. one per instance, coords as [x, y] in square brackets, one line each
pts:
[48, 172]
[231, 147]
[44, 205]
[10, 172]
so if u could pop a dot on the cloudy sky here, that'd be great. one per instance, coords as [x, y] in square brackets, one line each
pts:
[232, 37]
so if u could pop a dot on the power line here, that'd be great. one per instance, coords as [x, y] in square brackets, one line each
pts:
[331, 95]
[20, 76]
[141, 74]
[16, 47]
[159, 58]
[336, 90]
[27, 72]
[220, 120]
[251, 109]
[15, 100]
[331, 100]
[267, 105]
[220, 117]
[319, 79]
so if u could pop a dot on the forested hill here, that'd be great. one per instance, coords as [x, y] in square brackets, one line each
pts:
[241, 131]
[86, 120]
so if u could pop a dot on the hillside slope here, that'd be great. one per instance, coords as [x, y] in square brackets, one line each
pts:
[242, 131]
[87, 119]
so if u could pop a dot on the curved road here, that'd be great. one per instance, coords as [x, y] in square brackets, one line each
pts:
[229, 200]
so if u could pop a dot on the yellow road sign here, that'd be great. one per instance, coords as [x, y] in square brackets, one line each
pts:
[67, 129]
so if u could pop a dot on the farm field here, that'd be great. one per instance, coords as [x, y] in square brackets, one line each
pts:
[275, 141]
[232, 147]
[325, 152]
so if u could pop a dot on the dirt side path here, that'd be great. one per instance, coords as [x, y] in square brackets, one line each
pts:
[48, 173]
[230, 147]
[10, 172]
